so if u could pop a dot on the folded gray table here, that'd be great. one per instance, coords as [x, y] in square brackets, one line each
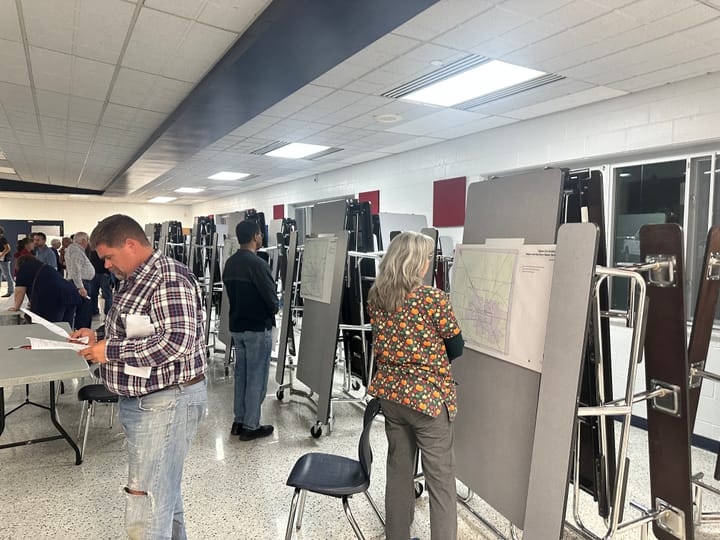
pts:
[23, 366]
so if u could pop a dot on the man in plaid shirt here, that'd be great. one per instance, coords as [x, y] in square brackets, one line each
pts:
[153, 356]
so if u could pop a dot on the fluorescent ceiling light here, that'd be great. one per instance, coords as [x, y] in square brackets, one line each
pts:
[79, 196]
[229, 175]
[297, 150]
[162, 199]
[7, 170]
[189, 190]
[625, 174]
[479, 81]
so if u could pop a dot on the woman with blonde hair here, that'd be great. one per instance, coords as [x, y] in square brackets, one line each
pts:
[415, 336]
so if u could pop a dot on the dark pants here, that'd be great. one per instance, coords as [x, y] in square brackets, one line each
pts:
[101, 282]
[84, 312]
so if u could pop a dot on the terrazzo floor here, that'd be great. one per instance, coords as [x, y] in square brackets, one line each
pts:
[232, 489]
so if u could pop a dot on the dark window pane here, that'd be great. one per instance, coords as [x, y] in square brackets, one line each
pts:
[652, 193]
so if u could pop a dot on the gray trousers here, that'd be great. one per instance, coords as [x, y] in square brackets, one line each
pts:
[407, 430]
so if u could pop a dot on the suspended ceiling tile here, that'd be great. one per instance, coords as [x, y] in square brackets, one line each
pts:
[50, 25]
[707, 32]
[51, 70]
[188, 9]
[495, 22]
[533, 31]
[533, 55]
[232, 15]
[474, 126]
[91, 79]
[574, 13]
[441, 17]
[647, 11]
[101, 29]
[340, 75]
[85, 109]
[21, 120]
[167, 94]
[202, 43]
[570, 101]
[16, 97]
[683, 71]
[365, 87]
[53, 103]
[13, 62]
[363, 157]
[9, 25]
[533, 8]
[496, 47]
[154, 41]
[608, 25]
[439, 120]
[382, 51]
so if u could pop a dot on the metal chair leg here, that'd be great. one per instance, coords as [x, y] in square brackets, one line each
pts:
[87, 428]
[83, 410]
[351, 519]
[291, 517]
[374, 507]
[301, 509]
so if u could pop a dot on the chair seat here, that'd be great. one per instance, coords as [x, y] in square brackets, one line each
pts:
[328, 474]
[96, 392]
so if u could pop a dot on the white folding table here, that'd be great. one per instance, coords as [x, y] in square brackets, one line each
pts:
[23, 366]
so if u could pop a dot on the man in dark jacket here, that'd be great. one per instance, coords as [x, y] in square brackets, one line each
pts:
[253, 305]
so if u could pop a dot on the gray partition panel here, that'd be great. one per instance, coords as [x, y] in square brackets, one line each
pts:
[318, 339]
[572, 283]
[328, 217]
[286, 317]
[497, 401]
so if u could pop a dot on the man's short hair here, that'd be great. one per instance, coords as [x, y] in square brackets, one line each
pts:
[246, 230]
[41, 235]
[80, 236]
[114, 230]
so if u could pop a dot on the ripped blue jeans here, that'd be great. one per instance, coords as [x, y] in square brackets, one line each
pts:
[159, 428]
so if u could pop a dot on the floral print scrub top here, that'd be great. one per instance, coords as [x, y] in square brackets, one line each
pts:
[412, 367]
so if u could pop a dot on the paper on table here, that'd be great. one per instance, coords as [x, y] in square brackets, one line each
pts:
[54, 328]
[49, 344]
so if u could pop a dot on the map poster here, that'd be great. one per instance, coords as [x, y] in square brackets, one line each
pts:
[501, 294]
[316, 274]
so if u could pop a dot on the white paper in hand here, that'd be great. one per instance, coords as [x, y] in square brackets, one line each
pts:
[137, 326]
[54, 328]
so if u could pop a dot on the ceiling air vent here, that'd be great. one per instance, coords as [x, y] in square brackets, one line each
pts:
[438, 75]
[510, 91]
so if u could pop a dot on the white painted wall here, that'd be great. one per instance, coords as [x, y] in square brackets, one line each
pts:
[676, 118]
[83, 214]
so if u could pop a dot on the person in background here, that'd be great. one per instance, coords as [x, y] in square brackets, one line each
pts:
[152, 355]
[81, 272]
[42, 252]
[23, 247]
[411, 324]
[101, 282]
[65, 242]
[5, 261]
[55, 246]
[46, 290]
[253, 305]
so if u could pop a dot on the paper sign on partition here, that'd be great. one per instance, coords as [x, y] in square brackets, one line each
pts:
[501, 295]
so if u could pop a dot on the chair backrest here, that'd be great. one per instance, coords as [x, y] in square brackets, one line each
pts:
[364, 451]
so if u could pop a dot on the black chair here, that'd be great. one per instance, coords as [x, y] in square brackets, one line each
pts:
[336, 476]
[90, 394]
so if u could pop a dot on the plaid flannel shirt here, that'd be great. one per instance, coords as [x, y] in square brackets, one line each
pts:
[167, 292]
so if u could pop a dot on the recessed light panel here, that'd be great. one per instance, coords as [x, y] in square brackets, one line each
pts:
[7, 170]
[189, 190]
[473, 83]
[229, 175]
[297, 150]
[162, 199]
